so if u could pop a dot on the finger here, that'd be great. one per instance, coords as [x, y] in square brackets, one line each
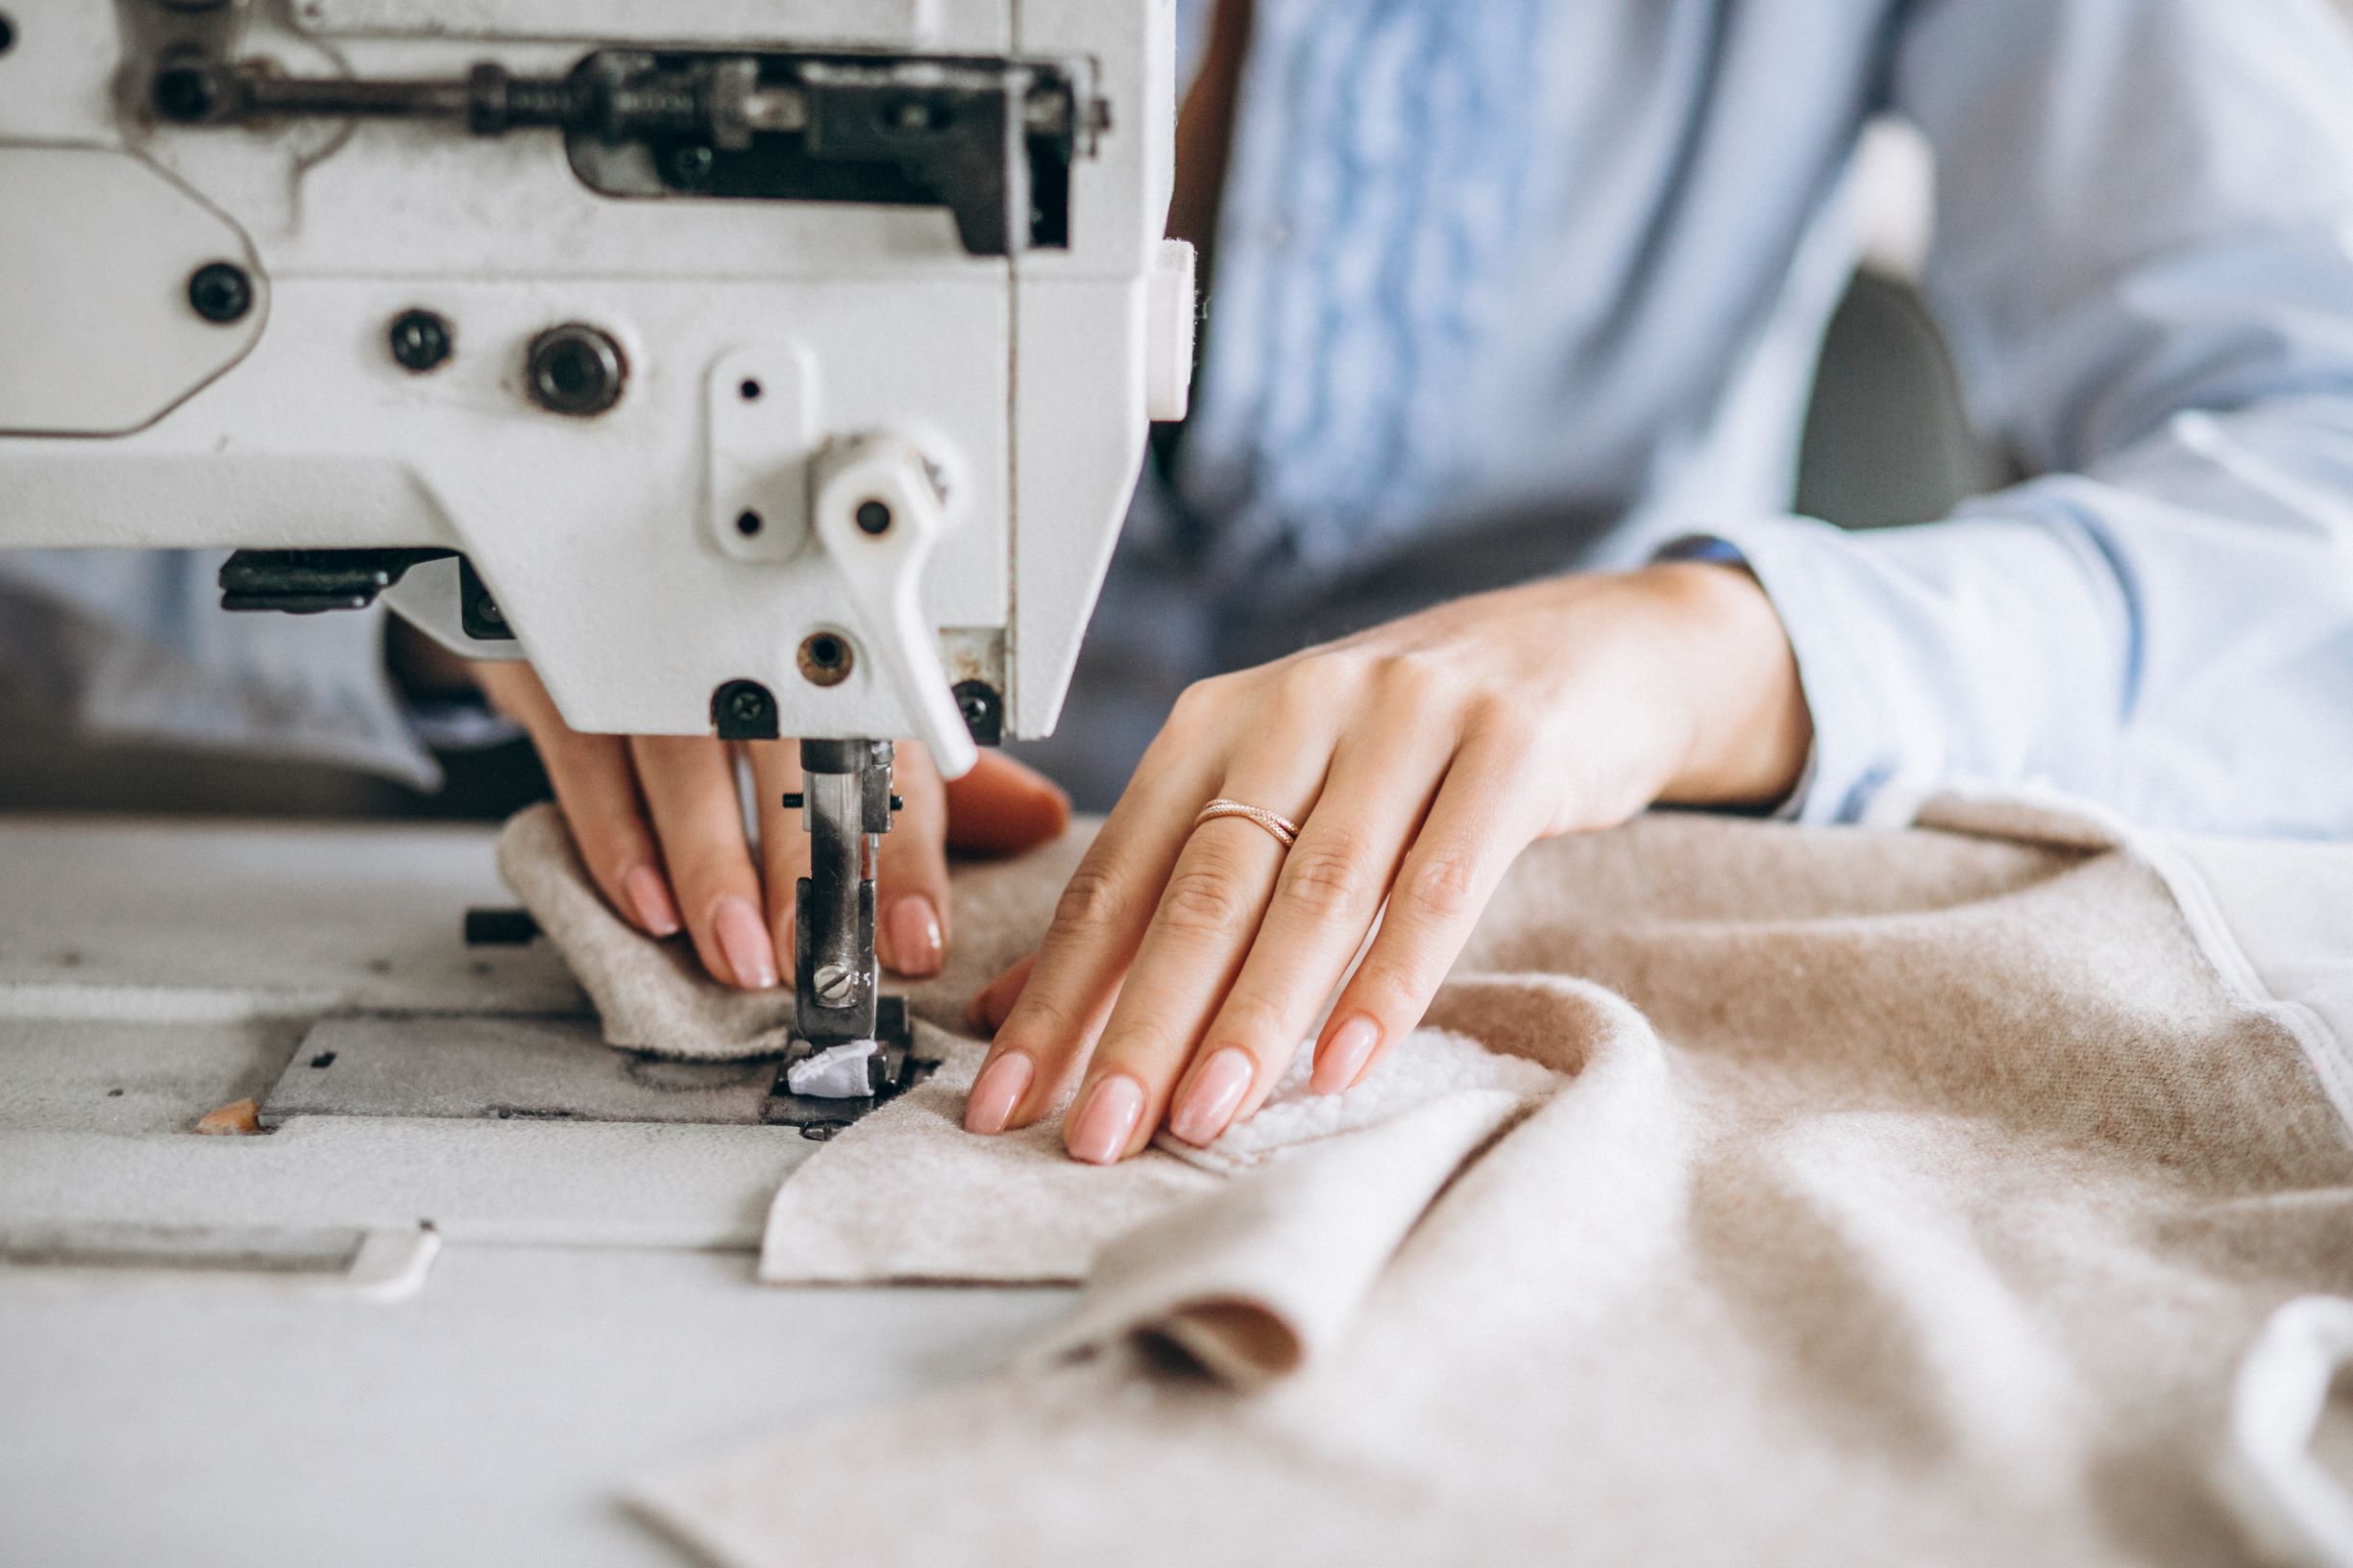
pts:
[1100, 919]
[987, 1013]
[1003, 807]
[689, 783]
[1476, 826]
[1326, 896]
[910, 893]
[784, 839]
[595, 788]
[1199, 936]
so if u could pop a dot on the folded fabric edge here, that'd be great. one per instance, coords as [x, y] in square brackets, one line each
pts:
[1258, 1280]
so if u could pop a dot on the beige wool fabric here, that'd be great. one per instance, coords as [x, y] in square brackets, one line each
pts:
[654, 996]
[1883, 1197]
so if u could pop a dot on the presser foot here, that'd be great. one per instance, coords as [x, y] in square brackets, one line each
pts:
[890, 1070]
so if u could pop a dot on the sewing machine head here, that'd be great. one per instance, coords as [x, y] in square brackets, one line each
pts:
[754, 369]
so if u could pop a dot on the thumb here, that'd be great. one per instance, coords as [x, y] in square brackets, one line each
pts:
[1003, 807]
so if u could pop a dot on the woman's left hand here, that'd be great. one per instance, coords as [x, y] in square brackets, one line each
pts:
[1184, 964]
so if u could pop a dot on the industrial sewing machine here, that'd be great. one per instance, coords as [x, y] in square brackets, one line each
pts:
[762, 368]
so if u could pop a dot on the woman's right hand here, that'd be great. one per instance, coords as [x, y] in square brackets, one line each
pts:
[660, 827]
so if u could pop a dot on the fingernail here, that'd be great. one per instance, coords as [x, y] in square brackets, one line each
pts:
[743, 939]
[649, 895]
[996, 1092]
[914, 937]
[1216, 1093]
[1351, 1046]
[1099, 1132]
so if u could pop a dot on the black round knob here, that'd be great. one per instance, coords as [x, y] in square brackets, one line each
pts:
[575, 369]
[186, 93]
[220, 292]
[421, 340]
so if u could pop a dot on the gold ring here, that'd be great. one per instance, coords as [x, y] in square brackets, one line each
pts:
[1285, 830]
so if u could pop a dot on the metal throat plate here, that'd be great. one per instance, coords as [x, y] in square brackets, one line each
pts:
[499, 1067]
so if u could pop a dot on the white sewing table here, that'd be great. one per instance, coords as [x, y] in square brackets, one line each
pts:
[363, 1339]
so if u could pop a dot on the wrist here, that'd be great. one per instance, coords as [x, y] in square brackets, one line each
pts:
[1735, 676]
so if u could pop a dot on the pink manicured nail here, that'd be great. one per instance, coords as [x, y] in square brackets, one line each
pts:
[743, 938]
[1216, 1093]
[1351, 1046]
[1099, 1132]
[914, 937]
[649, 895]
[996, 1092]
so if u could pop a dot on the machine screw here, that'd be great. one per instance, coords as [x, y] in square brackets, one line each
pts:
[690, 166]
[825, 659]
[575, 369]
[914, 118]
[421, 340]
[186, 93]
[220, 292]
[744, 710]
[835, 984]
[874, 518]
[984, 711]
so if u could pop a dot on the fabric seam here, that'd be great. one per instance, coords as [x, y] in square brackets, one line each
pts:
[2328, 1056]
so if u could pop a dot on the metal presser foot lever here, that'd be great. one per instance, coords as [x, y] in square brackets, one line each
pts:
[852, 1048]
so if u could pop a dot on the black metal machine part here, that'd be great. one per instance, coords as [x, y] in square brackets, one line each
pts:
[312, 581]
[991, 138]
[894, 1069]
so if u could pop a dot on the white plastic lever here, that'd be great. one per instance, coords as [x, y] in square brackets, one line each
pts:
[878, 513]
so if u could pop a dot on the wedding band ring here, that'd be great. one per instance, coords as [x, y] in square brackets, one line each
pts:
[1285, 830]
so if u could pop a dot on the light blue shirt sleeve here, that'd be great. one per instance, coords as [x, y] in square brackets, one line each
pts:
[2145, 262]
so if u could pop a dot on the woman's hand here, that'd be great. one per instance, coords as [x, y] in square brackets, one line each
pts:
[1184, 966]
[660, 828]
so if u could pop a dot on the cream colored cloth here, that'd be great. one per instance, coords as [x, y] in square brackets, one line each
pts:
[655, 997]
[1018, 1211]
[1913, 1205]
[651, 996]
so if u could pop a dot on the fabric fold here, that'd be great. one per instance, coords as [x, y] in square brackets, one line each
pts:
[1255, 1280]
[651, 996]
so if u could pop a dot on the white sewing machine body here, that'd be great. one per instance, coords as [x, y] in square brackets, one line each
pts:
[653, 554]
[759, 371]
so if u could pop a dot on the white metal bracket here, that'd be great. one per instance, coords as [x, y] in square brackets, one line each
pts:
[878, 511]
